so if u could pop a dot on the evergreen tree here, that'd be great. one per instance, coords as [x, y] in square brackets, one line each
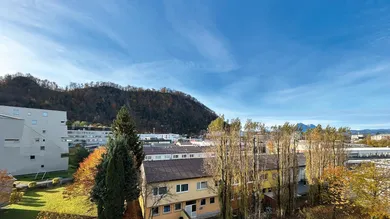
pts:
[124, 125]
[116, 180]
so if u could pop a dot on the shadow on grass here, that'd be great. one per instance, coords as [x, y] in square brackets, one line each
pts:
[18, 213]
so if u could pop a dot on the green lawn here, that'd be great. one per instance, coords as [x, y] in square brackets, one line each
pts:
[50, 200]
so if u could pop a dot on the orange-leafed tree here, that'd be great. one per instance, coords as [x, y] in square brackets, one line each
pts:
[6, 182]
[337, 180]
[84, 178]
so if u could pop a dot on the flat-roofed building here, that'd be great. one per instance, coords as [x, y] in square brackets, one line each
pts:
[32, 140]
[88, 136]
[171, 152]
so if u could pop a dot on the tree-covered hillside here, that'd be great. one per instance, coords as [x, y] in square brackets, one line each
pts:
[98, 102]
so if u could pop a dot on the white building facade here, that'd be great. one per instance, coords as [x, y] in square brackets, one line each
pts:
[380, 137]
[88, 136]
[32, 140]
[169, 136]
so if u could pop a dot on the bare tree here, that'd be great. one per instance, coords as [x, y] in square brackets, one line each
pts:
[156, 192]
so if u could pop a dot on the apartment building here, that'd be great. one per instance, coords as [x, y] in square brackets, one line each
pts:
[380, 137]
[32, 140]
[168, 136]
[171, 152]
[357, 137]
[88, 136]
[175, 188]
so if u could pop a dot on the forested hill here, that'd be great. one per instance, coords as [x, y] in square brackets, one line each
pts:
[165, 110]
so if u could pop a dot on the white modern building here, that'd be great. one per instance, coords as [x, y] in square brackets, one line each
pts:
[172, 152]
[32, 140]
[357, 137]
[88, 136]
[380, 137]
[169, 136]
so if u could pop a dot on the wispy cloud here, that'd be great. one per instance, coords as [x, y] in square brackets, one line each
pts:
[201, 32]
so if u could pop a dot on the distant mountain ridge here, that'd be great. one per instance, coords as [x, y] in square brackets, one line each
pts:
[305, 127]
[364, 131]
[162, 111]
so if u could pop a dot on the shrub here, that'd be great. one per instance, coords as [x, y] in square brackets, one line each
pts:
[32, 184]
[55, 215]
[15, 196]
[56, 181]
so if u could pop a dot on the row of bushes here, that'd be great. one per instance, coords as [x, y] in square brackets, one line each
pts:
[54, 182]
[55, 215]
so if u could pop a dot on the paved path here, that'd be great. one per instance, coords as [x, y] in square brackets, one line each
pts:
[43, 183]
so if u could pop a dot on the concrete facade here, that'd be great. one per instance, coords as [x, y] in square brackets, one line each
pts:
[32, 140]
[88, 136]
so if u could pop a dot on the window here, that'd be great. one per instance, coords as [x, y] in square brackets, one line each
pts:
[158, 157]
[155, 211]
[182, 188]
[159, 190]
[191, 155]
[62, 121]
[43, 140]
[167, 208]
[44, 114]
[264, 190]
[12, 139]
[16, 112]
[148, 157]
[36, 139]
[64, 155]
[43, 131]
[212, 200]
[274, 176]
[42, 148]
[42, 166]
[202, 202]
[201, 185]
[269, 190]
[32, 157]
[183, 156]
[33, 122]
[177, 206]
[264, 176]
[175, 156]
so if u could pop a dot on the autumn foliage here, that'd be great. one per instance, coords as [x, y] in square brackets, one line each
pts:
[5, 186]
[84, 178]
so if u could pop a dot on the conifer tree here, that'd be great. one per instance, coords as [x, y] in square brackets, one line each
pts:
[124, 125]
[116, 180]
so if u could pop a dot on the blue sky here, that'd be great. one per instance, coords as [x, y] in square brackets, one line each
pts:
[324, 62]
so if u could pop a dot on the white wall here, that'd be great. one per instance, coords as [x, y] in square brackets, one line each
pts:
[39, 128]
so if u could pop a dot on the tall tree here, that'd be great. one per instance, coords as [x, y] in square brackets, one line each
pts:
[337, 191]
[124, 125]
[84, 178]
[116, 180]
[219, 166]
[371, 186]
[285, 140]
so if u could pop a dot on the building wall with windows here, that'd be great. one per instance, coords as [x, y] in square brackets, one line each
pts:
[86, 136]
[198, 193]
[32, 140]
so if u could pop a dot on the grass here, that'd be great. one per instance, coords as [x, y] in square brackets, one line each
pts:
[50, 200]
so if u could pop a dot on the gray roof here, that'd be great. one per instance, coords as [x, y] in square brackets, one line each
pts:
[170, 170]
[179, 169]
[173, 149]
